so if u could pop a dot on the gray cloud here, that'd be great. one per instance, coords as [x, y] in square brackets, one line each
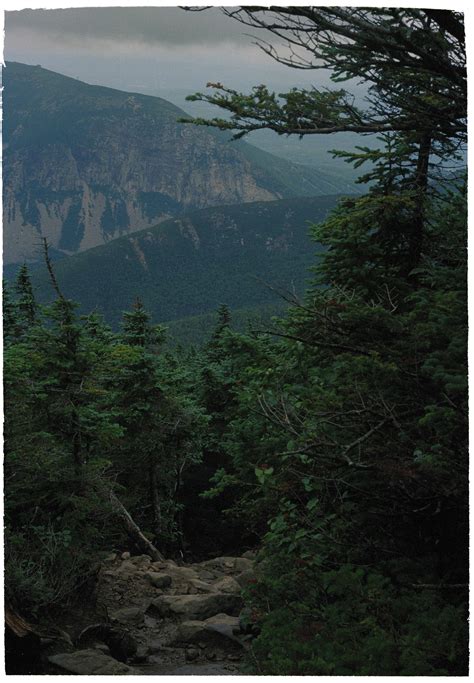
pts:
[148, 25]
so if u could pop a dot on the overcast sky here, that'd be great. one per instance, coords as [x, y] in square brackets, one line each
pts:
[169, 52]
[162, 47]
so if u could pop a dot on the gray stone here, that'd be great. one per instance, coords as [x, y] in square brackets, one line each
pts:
[192, 654]
[227, 585]
[191, 607]
[217, 631]
[223, 618]
[91, 663]
[223, 564]
[102, 647]
[203, 587]
[250, 554]
[243, 564]
[190, 632]
[159, 580]
[111, 558]
[139, 560]
[129, 616]
[125, 556]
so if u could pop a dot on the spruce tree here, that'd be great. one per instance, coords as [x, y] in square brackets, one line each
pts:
[26, 303]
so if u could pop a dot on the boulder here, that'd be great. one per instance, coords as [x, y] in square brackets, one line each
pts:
[203, 587]
[223, 618]
[121, 644]
[227, 585]
[129, 616]
[141, 560]
[126, 569]
[206, 575]
[90, 663]
[217, 632]
[159, 580]
[111, 558]
[222, 564]
[190, 632]
[226, 626]
[243, 564]
[192, 654]
[190, 607]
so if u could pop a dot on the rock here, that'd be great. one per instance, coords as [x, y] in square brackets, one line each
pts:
[223, 619]
[159, 580]
[227, 585]
[222, 564]
[226, 626]
[196, 606]
[205, 574]
[203, 587]
[140, 658]
[111, 558]
[130, 616]
[217, 631]
[246, 578]
[126, 569]
[140, 560]
[91, 663]
[125, 556]
[120, 643]
[243, 564]
[190, 632]
[250, 554]
[102, 647]
[192, 654]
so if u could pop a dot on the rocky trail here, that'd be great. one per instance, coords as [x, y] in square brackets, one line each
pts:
[158, 618]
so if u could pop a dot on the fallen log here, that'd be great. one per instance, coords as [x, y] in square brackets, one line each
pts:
[134, 531]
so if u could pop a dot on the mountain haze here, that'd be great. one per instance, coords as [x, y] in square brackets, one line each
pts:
[86, 164]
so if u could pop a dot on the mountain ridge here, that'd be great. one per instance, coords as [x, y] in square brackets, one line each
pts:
[238, 254]
[85, 164]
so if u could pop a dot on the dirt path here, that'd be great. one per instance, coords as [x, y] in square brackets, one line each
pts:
[158, 618]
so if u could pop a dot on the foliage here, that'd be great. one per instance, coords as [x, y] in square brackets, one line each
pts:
[85, 412]
[348, 433]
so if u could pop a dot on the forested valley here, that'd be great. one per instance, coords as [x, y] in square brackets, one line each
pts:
[326, 450]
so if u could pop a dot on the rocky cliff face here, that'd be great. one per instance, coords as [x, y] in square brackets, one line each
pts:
[85, 164]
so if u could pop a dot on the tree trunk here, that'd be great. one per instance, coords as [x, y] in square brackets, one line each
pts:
[420, 186]
[155, 500]
[133, 530]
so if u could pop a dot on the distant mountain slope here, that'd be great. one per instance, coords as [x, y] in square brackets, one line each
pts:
[197, 329]
[85, 164]
[187, 266]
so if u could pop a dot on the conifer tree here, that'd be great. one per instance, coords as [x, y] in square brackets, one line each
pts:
[26, 303]
[349, 435]
[11, 324]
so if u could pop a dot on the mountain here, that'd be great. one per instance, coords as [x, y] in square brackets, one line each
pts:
[196, 330]
[187, 266]
[86, 164]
